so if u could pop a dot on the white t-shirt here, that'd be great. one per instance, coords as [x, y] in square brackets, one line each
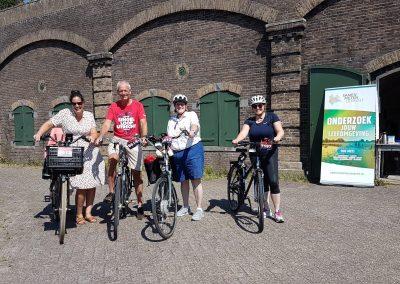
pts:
[175, 127]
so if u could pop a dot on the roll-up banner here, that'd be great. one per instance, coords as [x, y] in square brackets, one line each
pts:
[348, 142]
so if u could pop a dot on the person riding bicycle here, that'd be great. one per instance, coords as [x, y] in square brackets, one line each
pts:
[266, 127]
[80, 123]
[188, 158]
[129, 120]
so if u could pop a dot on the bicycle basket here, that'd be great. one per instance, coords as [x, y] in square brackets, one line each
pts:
[64, 160]
[153, 169]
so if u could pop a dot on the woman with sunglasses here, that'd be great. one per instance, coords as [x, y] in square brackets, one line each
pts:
[188, 158]
[79, 122]
[265, 126]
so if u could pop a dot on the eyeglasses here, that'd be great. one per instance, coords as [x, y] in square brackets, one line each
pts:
[257, 106]
[77, 103]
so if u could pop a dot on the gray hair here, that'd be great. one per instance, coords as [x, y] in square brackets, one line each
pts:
[123, 82]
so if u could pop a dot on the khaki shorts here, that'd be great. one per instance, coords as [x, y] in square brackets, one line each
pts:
[135, 155]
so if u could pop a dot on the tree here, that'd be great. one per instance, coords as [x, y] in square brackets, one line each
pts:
[8, 3]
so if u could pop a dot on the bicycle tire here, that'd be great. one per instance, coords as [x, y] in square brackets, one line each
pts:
[260, 201]
[62, 210]
[163, 210]
[234, 188]
[117, 203]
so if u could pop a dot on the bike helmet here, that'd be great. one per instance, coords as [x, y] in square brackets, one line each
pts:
[179, 99]
[257, 100]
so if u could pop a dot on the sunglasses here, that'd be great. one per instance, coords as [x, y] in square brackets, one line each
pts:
[257, 106]
[77, 103]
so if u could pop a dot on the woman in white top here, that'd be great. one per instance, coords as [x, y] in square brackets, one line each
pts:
[188, 159]
[79, 122]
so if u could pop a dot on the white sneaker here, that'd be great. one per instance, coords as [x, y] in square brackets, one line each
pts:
[268, 214]
[183, 211]
[198, 214]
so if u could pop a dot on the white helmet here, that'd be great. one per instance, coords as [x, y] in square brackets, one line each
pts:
[257, 100]
[179, 98]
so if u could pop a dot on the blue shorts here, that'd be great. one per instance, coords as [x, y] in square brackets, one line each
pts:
[188, 164]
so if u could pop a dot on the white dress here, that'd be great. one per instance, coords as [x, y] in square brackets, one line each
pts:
[93, 168]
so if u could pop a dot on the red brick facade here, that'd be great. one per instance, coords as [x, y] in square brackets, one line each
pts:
[248, 47]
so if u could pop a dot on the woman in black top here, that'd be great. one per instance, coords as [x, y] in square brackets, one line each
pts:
[261, 127]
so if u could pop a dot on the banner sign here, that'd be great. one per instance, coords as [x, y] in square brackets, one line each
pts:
[348, 142]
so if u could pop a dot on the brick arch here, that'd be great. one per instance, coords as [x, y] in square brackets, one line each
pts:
[59, 100]
[23, 103]
[154, 93]
[382, 61]
[215, 87]
[47, 34]
[246, 7]
[306, 6]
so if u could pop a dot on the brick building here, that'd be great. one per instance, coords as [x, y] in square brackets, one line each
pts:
[218, 52]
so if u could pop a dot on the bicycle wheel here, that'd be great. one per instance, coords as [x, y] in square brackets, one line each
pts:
[117, 203]
[235, 190]
[164, 208]
[62, 210]
[259, 183]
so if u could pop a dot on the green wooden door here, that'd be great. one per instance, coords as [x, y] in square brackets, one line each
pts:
[209, 119]
[219, 118]
[23, 126]
[157, 114]
[228, 109]
[320, 79]
[59, 107]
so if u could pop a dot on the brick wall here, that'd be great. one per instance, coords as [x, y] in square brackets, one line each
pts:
[61, 66]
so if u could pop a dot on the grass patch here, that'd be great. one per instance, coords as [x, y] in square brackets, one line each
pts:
[293, 176]
[27, 163]
[381, 182]
[210, 173]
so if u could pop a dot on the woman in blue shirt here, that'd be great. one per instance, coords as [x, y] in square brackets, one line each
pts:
[265, 126]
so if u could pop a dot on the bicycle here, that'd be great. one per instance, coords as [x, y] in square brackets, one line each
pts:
[164, 201]
[238, 188]
[123, 183]
[62, 162]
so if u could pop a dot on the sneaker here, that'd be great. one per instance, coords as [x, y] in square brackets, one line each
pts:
[140, 213]
[109, 197]
[183, 211]
[198, 214]
[279, 217]
[268, 213]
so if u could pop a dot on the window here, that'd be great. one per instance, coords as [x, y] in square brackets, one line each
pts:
[157, 114]
[23, 126]
[59, 107]
[219, 118]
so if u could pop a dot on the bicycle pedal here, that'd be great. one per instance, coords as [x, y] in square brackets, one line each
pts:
[47, 198]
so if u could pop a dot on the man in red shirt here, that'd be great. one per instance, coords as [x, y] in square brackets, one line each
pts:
[129, 120]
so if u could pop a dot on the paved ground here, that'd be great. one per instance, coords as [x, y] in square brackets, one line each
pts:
[331, 234]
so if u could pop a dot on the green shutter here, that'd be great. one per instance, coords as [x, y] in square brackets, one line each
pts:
[219, 118]
[59, 107]
[161, 115]
[320, 79]
[209, 119]
[147, 104]
[23, 126]
[157, 114]
[228, 105]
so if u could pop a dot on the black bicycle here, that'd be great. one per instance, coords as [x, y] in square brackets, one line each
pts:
[62, 162]
[123, 183]
[238, 187]
[164, 201]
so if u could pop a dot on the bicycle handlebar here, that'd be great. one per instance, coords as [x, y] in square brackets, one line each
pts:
[130, 144]
[47, 136]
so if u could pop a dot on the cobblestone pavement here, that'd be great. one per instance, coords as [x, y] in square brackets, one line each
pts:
[331, 234]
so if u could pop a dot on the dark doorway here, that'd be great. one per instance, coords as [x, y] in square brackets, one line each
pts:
[389, 117]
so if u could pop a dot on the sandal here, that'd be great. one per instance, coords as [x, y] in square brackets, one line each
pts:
[91, 219]
[80, 220]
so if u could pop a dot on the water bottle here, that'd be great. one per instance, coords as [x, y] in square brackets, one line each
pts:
[384, 138]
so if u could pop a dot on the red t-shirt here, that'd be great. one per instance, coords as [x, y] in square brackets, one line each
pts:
[126, 119]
